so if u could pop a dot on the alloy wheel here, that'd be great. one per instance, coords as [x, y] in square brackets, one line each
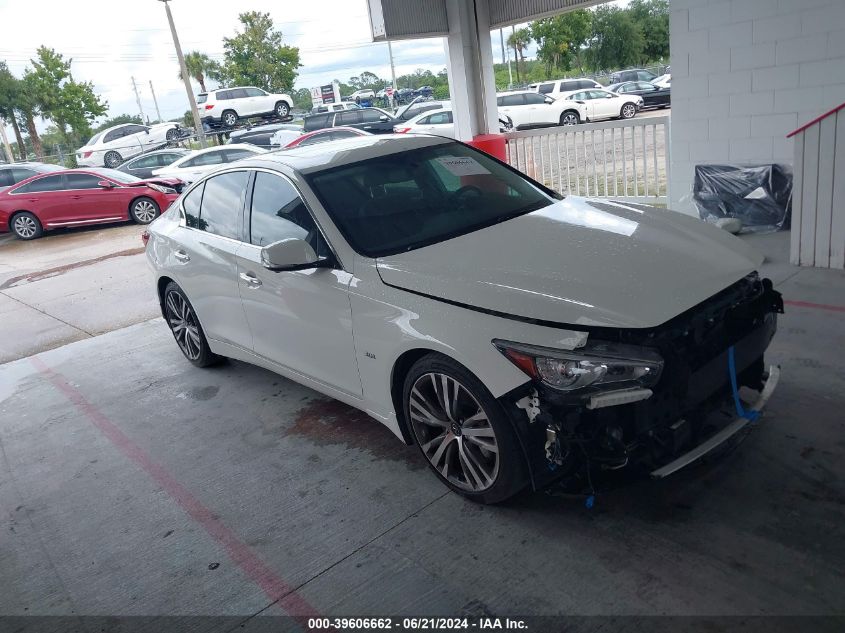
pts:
[570, 119]
[454, 432]
[183, 323]
[171, 135]
[282, 109]
[145, 211]
[25, 226]
[113, 160]
[229, 119]
[628, 111]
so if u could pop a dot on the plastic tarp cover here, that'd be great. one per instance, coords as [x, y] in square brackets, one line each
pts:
[759, 196]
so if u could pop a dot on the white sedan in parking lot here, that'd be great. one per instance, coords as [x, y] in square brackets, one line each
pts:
[513, 335]
[530, 109]
[603, 104]
[441, 123]
[198, 163]
[114, 145]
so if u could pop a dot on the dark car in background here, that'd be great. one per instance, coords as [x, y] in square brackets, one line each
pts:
[372, 120]
[261, 135]
[632, 74]
[15, 172]
[653, 96]
[143, 166]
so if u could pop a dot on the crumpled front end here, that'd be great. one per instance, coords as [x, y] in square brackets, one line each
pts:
[667, 423]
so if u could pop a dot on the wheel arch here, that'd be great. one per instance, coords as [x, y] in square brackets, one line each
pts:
[161, 284]
[13, 214]
[400, 369]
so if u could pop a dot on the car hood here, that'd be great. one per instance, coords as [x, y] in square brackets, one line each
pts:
[582, 262]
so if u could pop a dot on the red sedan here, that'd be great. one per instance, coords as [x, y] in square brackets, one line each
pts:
[77, 197]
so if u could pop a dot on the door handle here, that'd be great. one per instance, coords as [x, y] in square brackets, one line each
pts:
[251, 280]
[182, 256]
[76, 197]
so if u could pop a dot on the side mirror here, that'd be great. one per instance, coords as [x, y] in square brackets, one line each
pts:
[147, 130]
[292, 253]
[609, 97]
[105, 184]
[383, 117]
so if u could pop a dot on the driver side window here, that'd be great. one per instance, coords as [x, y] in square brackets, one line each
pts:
[278, 213]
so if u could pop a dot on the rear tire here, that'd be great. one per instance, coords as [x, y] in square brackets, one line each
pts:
[570, 118]
[26, 226]
[282, 109]
[472, 447]
[186, 328]
[112, 160]
[229, 118]
[144, 210]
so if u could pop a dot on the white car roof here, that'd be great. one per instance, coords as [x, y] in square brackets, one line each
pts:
[320, 156]
[218, 148]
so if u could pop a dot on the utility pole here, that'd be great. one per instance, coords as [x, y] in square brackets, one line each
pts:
[138, 100]
[9, 156]
[502, 38]
[155, 101]
[185, 78]
[392, 69]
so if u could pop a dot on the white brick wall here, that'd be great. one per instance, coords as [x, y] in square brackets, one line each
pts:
[746, 73]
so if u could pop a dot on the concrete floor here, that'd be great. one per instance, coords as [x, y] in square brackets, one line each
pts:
[132, 483]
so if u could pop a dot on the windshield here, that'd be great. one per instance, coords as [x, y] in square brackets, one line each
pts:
[400, 202]
[118, 176]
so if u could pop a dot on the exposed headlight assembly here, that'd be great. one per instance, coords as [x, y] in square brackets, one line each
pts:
[597, 365]
[160, 188]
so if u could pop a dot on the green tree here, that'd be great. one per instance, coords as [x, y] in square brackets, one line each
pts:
[519, 40]
[616, 42]
[302, 99]
[201, 67]
[10, 99]
[652, 16]
[561, 38]
[257, 56]
[70, 104]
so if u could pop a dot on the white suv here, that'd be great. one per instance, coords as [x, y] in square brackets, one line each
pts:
[564, 87]
[225, 106]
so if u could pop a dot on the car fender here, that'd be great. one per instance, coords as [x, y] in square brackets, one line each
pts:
[388, 322]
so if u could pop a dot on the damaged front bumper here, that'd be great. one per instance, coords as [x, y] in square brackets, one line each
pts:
[663, 429]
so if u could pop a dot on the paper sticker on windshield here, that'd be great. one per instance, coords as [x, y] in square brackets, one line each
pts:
[462, 166]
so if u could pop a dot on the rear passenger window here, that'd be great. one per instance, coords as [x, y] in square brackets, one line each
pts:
[222, 200]
[545, 89]
[50, 183]
[348, 117]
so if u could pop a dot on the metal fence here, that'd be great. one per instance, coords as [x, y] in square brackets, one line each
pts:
[624, 160]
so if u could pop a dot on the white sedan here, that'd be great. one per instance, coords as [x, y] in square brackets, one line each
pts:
[439, 122]
[114, 145]
[530, 109]
[198, 163]
[513, 335]
[603, 104]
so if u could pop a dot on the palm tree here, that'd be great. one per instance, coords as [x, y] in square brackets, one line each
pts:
[200, 66]
[518, 40]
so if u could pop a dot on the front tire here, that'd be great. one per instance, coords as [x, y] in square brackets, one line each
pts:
[112, 160]
[186, 328]
[26, 226]
[282, 109]
[171, 135]
[229, 119]
[462, 431]
[629, 111]
[144, 210]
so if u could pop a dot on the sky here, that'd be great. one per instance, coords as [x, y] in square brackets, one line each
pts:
[111, 41]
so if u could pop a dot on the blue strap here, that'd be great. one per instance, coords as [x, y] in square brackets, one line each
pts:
[750, 415]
